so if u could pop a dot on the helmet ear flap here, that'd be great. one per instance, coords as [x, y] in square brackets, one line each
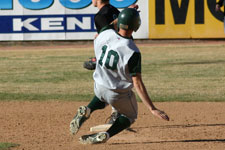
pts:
[129, 19]
[123, 26]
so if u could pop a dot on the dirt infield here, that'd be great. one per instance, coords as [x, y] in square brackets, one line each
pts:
[45, 126]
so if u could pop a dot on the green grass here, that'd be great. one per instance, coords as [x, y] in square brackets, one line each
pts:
[7, 146]
[185, 73]
[170, 73]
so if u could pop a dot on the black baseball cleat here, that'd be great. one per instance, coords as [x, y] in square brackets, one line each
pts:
[91, 64]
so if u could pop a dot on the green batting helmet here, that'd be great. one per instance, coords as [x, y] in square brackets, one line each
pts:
[129, 19]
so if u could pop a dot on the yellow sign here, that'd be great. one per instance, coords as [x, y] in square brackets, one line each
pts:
[170, 19]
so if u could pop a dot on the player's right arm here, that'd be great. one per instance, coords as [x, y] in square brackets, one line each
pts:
[142, 93]
[134, 65]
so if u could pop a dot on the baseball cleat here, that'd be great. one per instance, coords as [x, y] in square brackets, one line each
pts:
[83, 113]
[96, 138]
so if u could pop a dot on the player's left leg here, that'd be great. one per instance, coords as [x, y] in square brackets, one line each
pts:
[84, 112]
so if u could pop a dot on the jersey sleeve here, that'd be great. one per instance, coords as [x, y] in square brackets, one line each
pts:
[134, 64]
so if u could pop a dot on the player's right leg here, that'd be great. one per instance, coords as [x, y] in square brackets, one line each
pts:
[121, 123]
[127, 106]
[95, 138]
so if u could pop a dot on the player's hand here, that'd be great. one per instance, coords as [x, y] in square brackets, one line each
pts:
[96, 35]
[134, 6]
[217, 7]
[160, 114]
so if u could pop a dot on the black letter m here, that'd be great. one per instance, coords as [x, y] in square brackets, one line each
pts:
[179, 13]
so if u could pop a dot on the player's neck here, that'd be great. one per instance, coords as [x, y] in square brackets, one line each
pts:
[100, 5]
[125, 33]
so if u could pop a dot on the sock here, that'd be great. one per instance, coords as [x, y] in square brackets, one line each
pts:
[119, 125]
[96, 104]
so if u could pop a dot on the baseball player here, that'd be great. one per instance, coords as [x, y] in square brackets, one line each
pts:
[106, 15]
[219, 4]
[118, 70]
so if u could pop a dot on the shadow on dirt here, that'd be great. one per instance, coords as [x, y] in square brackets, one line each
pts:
[175, 141]
[134, 129]
[188, 126]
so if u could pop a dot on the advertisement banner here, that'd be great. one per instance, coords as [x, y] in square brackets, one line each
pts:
[57, 19]
[184, 19]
